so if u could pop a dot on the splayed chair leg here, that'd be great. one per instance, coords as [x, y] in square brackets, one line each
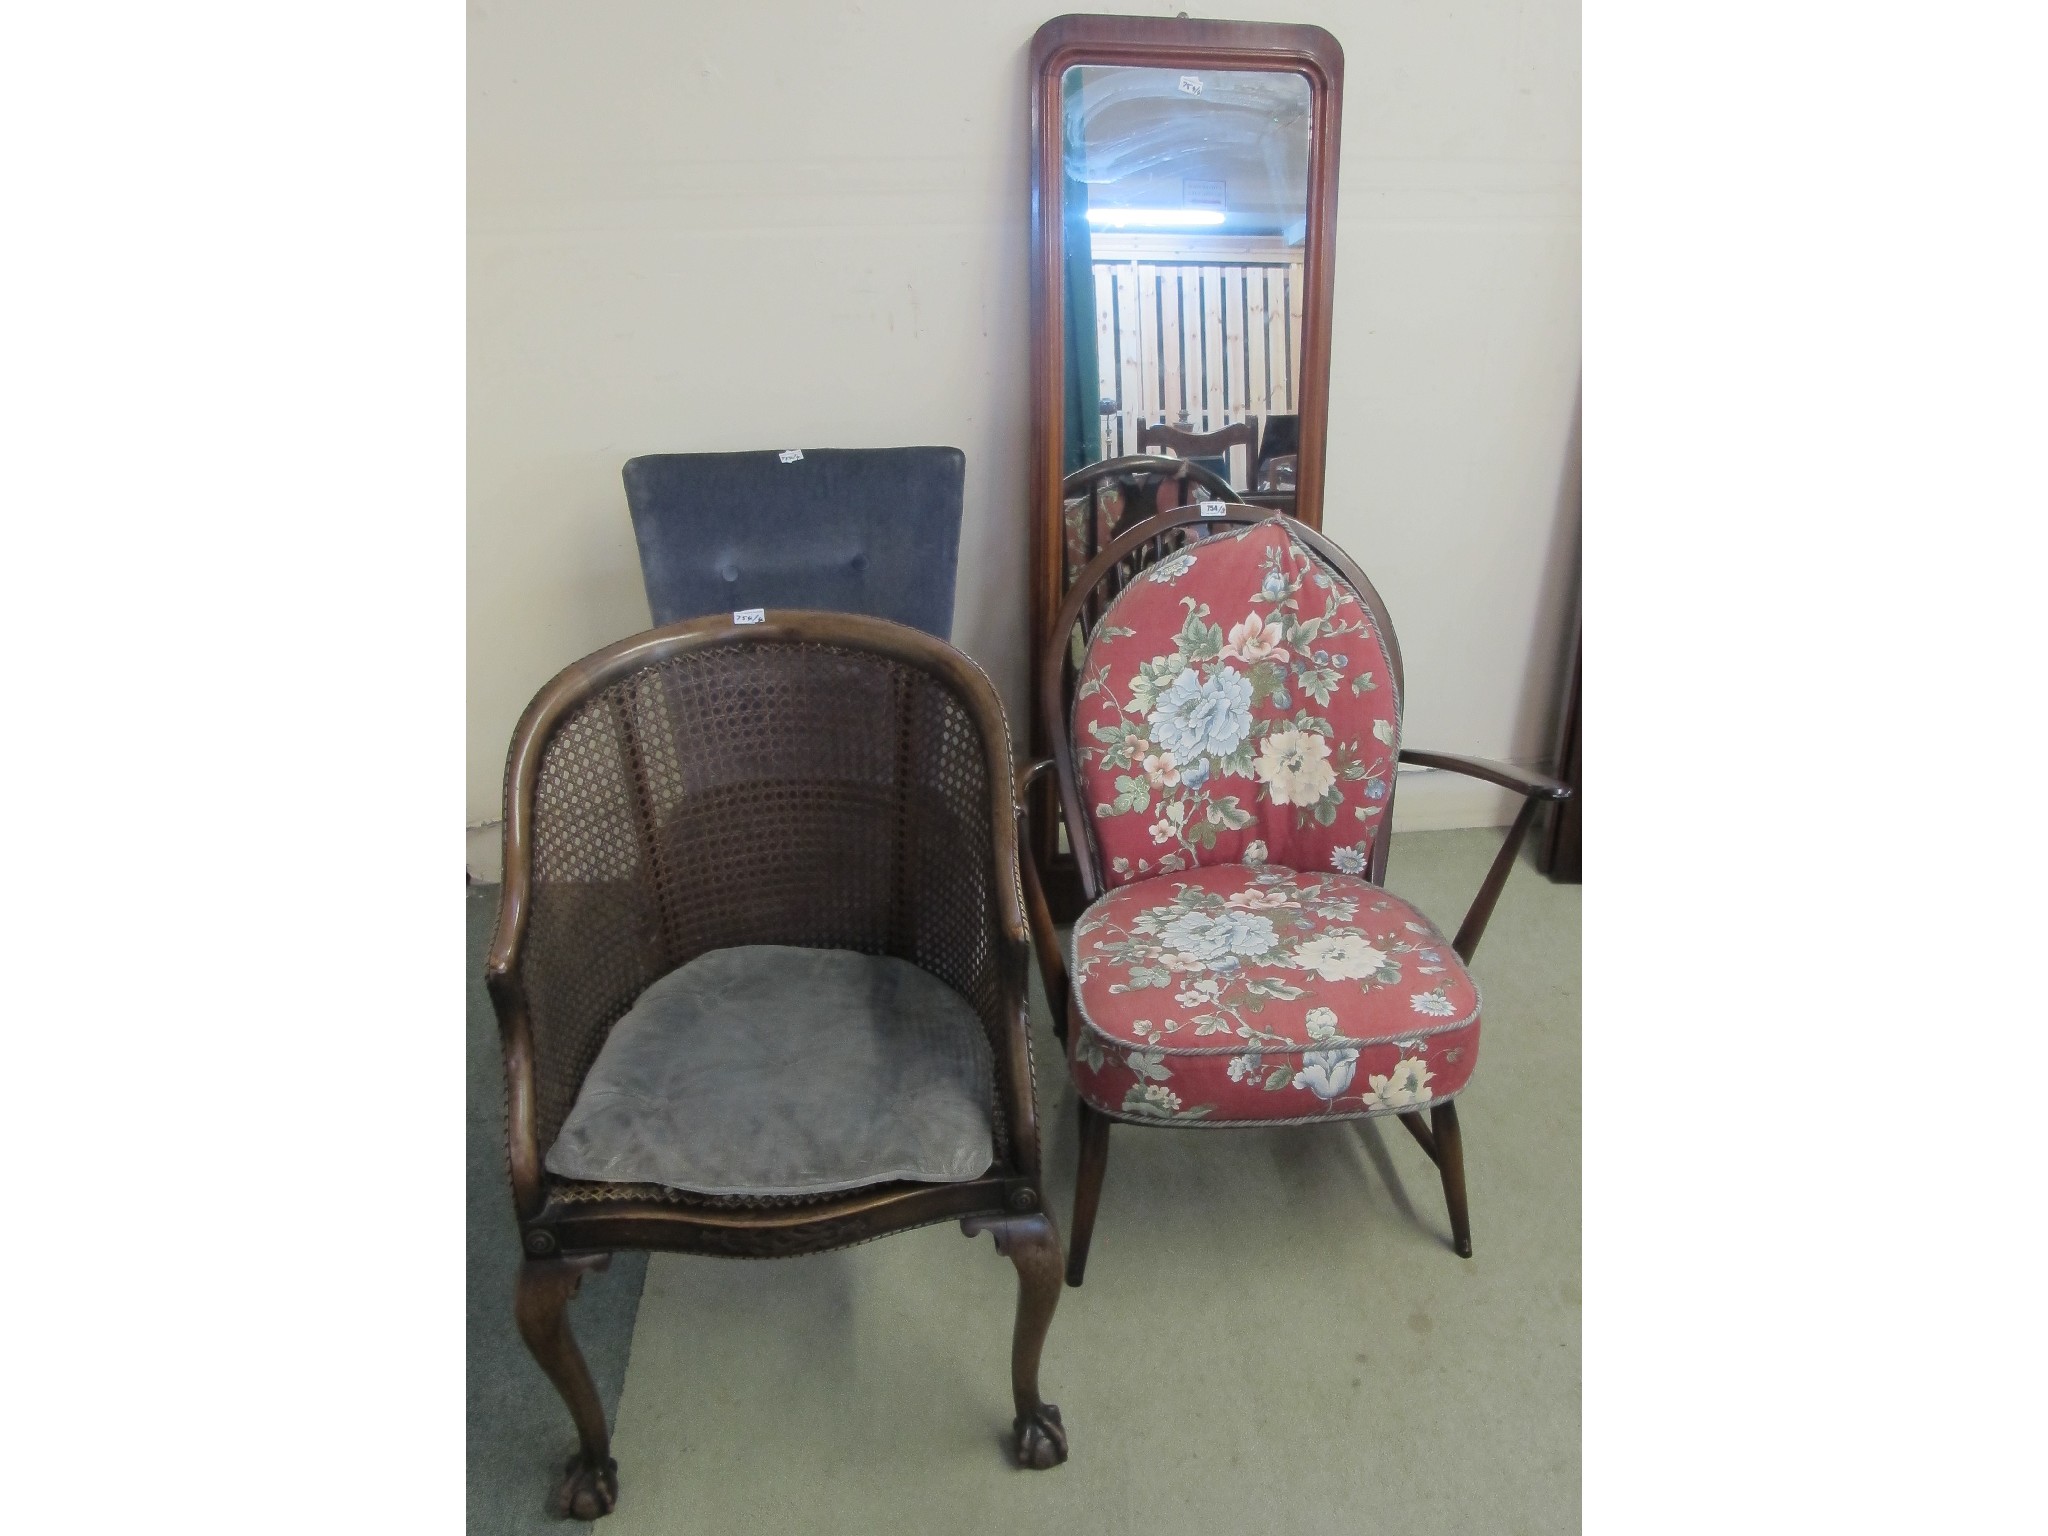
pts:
[1087, 1187]
[1450, 1148]
[1031, 1243]
[590, 1484]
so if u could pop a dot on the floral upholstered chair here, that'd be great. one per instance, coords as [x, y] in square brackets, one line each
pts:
[1226, 751]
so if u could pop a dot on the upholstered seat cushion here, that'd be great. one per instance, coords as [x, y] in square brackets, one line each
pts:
[769, 1070]
[1236, 994]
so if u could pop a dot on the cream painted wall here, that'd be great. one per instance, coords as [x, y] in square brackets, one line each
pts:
[802, 223]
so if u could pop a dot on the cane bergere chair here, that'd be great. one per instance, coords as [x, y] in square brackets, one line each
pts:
[1226, 752]
[760, 973]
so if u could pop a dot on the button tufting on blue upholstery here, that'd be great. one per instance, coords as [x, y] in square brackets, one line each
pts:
[850, 530]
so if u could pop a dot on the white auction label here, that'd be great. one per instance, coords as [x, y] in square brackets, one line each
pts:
[1191, 85]
[1215, 508]
[749, 615]
[790, 455]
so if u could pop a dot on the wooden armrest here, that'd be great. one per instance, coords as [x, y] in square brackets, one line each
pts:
[1534, 788]
[1521, 780]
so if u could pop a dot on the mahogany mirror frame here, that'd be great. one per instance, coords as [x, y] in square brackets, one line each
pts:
[1163, 42]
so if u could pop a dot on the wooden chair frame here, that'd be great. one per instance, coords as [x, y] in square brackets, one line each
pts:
[563, 1238]
[1136, 548]
[1141, 477]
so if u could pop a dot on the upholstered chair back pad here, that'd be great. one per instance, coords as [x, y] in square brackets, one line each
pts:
[1236, 705]
[843, 530]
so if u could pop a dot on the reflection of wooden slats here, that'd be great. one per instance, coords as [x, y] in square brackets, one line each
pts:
[1104, 347]
[1279, 294]
[1130, 350]
[1215, 370]
[1200, 345]
[1292, 283]
[1166, 347]
[1236, 378]
[1174, 332]
[1258, 335]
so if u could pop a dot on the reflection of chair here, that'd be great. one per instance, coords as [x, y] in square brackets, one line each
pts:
[1197, 445]
[854, 530]
[1281, 439]
[1276, 473]
[1211, 450]
[760, 973]
[1279, 447]
[1100, 500]
[1227, 787]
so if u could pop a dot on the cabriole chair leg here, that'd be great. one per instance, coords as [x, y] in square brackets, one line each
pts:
[590, 1483]
[1031, 1243]
[1443, 1125]
[1087, 1188]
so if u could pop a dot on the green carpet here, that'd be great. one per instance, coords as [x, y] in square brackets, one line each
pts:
[1275, 1335]
[519, 1432]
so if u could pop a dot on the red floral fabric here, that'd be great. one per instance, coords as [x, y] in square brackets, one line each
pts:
[1234, 704]
[1241, 994]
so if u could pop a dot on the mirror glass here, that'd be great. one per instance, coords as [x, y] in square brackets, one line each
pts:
[1185, 218]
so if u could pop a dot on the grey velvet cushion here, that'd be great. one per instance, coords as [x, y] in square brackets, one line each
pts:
[769, 1070]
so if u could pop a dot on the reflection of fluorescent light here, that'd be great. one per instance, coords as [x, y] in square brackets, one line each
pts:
[1156, 218]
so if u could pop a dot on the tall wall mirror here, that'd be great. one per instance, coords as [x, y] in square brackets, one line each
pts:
[1184, 224]
[1183, 219]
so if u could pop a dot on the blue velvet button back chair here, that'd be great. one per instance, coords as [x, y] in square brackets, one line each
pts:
[847, 530]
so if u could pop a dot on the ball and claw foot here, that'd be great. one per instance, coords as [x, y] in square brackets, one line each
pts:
[1041, 1439]
[587, 1490]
